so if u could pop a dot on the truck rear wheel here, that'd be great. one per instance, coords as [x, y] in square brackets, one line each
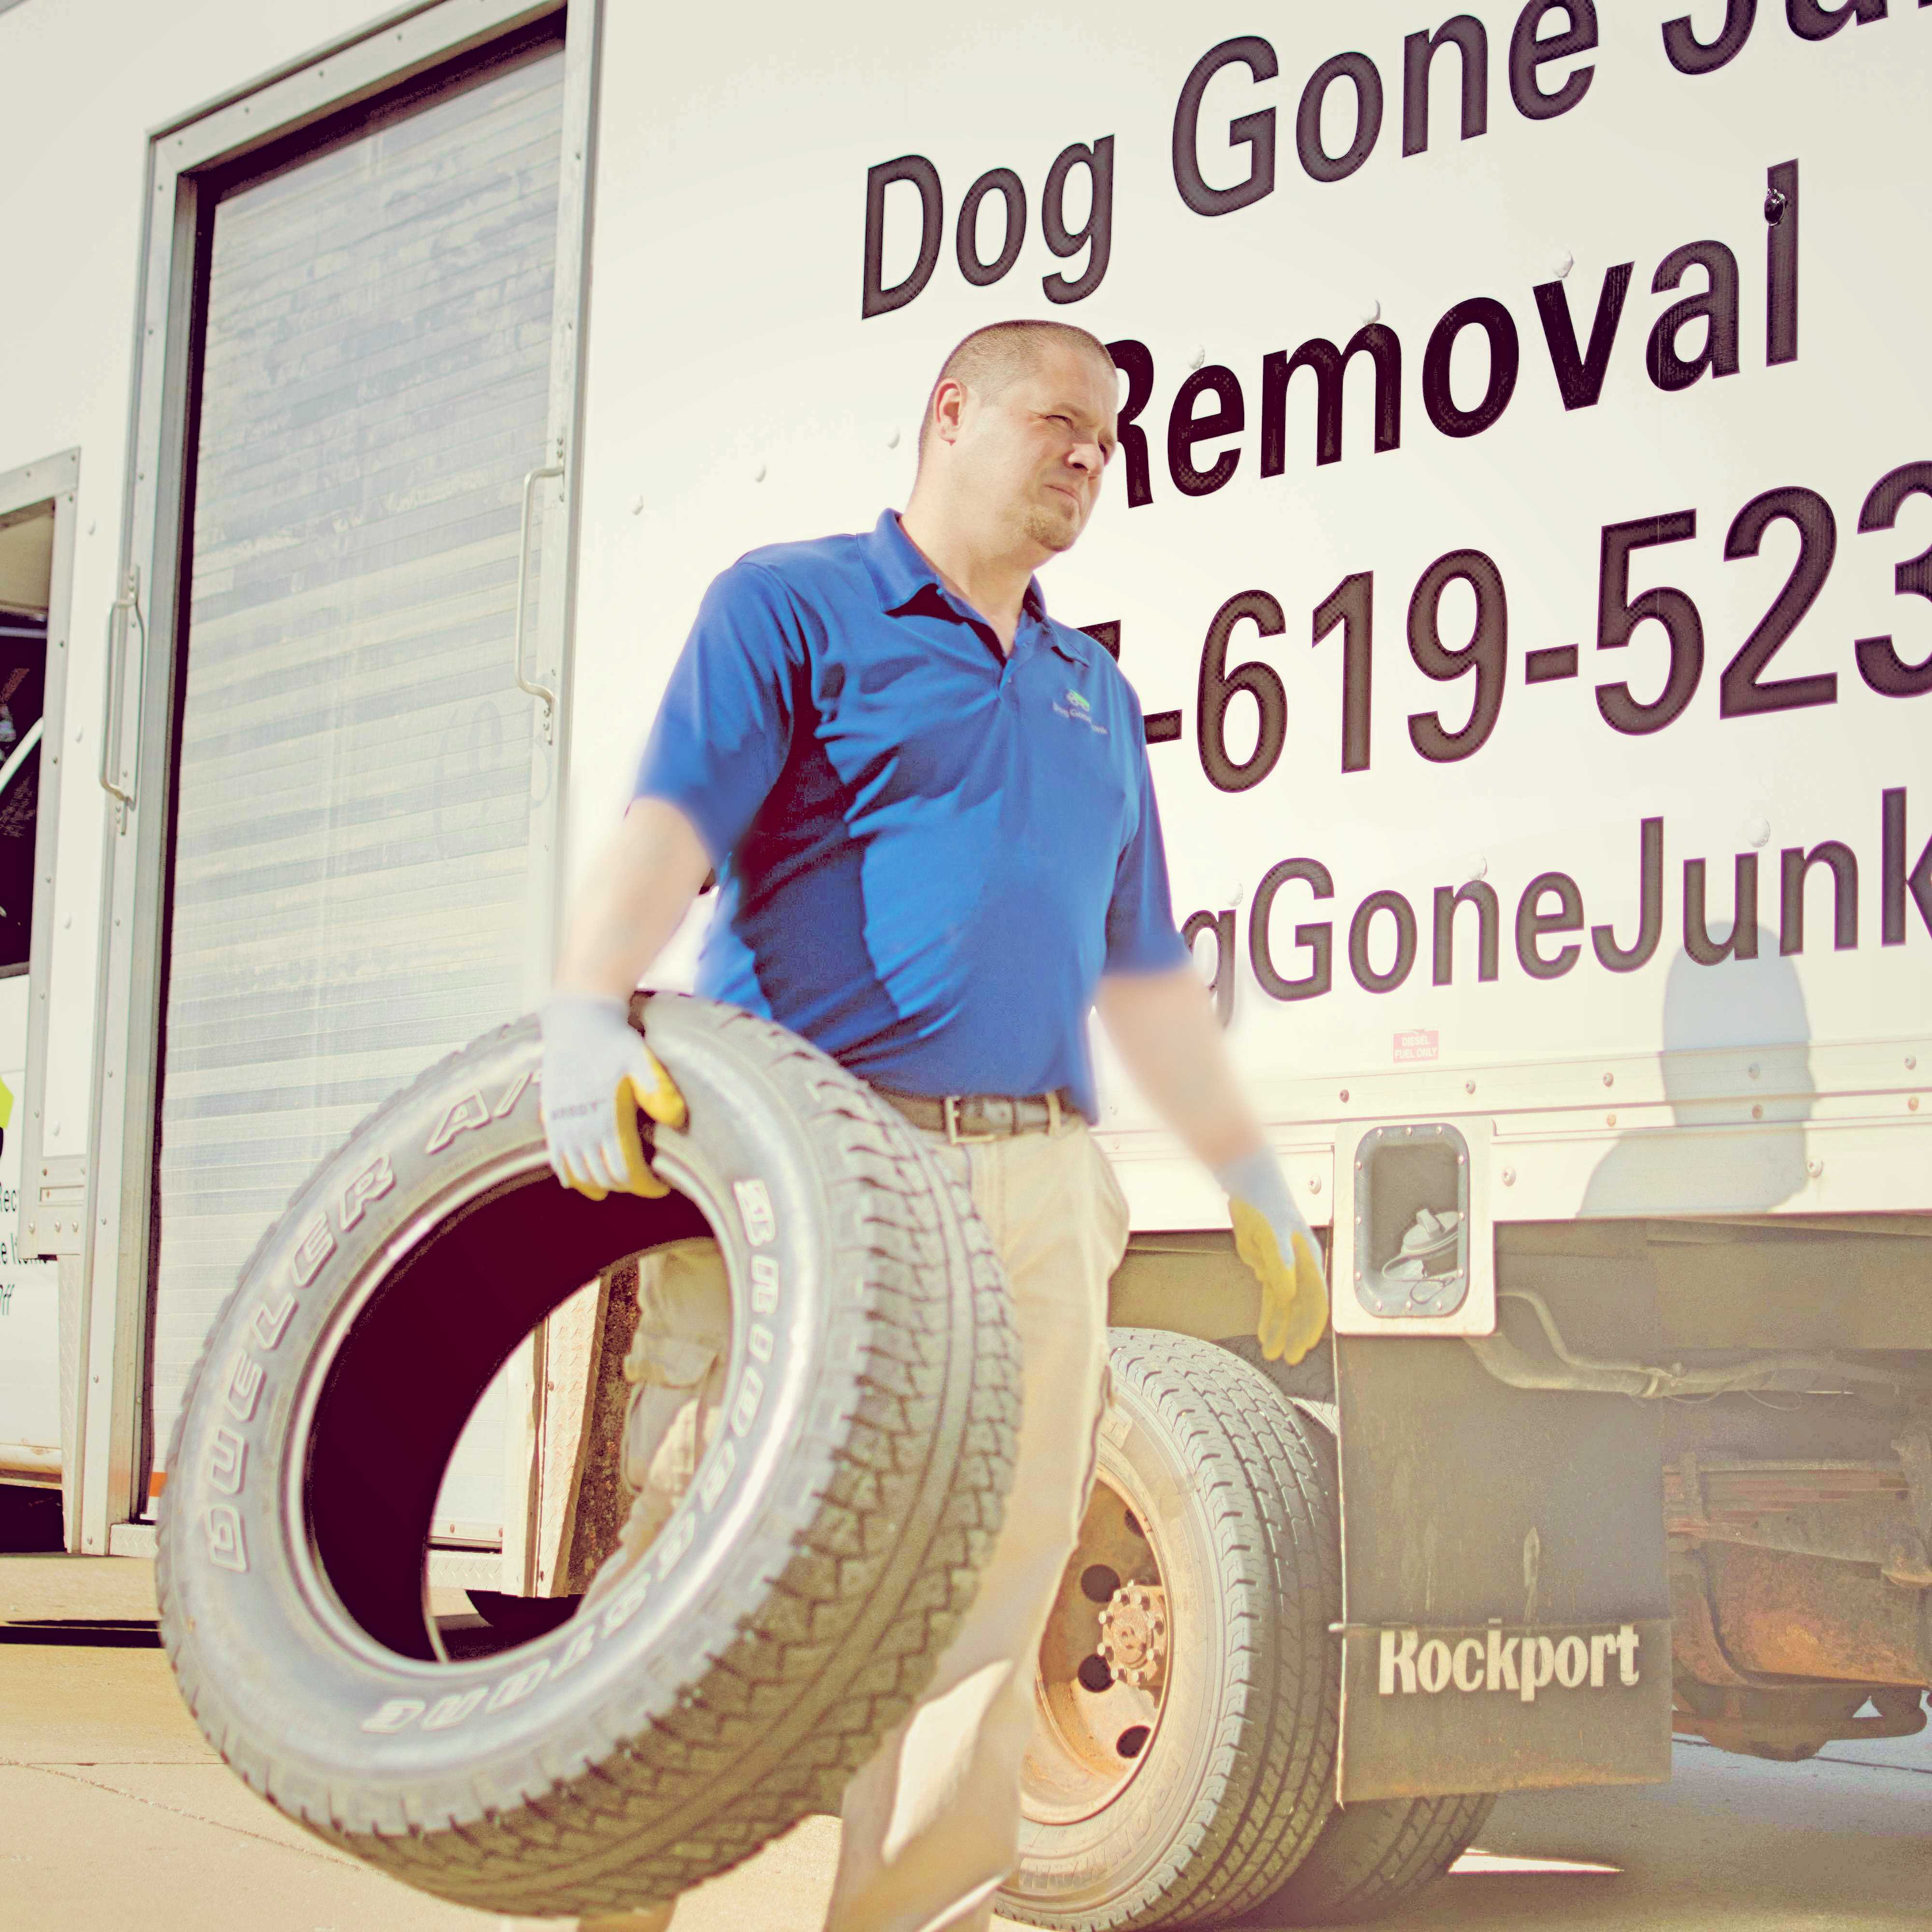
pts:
[1374, 1856]
[791, 1608]
[1183, 1752]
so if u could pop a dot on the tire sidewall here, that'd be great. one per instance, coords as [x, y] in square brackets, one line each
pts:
[293, 1693]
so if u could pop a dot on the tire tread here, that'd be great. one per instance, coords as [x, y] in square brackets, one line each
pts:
[609, 1814]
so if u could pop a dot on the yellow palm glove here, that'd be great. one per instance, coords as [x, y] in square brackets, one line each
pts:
[1294, 1297]
[598, 1076]
[1273, 1237]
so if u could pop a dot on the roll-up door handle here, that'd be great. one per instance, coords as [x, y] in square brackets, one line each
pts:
[541, 691]
[130, 601]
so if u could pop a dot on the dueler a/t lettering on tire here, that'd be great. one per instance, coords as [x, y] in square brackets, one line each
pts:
[788, 1613]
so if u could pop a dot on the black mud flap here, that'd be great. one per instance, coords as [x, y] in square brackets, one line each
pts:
[1506, 1610]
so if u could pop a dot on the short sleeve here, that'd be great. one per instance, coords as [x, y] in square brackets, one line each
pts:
[1141, 934]
[724, 729]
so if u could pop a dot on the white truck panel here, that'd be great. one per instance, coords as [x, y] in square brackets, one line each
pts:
[735, 394]
[731, 170]
[758, 405]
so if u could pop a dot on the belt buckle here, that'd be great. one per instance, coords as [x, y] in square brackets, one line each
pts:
[949, 1107]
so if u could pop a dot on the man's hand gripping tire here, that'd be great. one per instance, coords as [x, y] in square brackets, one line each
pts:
[598, 1075]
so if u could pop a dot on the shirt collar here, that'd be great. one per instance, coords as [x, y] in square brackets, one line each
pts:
[901, 573]
[1074, 646]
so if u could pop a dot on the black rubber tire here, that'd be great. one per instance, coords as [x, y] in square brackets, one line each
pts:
[791, 1611]
[1239, 1775]
[521, 1619]
[1374, 1856]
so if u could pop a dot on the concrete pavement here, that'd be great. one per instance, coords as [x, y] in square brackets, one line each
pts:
[114, 1814]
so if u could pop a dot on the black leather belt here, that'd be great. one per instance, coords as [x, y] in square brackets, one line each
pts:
[983, 1117]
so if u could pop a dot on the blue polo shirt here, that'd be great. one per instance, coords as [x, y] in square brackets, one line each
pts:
[927, 852]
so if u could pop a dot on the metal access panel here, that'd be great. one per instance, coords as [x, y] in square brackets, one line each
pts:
[1506, 1614]
[353, 818]
[1413, 1248]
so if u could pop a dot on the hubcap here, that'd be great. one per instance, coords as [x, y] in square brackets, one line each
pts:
[1102, 1671]
[1133, 1635]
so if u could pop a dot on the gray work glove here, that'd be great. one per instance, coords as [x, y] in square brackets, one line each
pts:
[597, 1074]
[1272, 1235]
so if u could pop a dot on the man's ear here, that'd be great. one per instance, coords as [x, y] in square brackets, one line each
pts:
[949, 408]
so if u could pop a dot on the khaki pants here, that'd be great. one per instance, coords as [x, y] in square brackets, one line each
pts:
[931, 1823]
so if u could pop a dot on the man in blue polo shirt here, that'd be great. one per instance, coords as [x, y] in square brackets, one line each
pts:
[927, 806]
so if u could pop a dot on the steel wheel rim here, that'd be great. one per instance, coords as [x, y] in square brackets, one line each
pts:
[1090, 1738]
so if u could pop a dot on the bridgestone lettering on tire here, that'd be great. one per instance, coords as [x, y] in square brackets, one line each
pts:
[790, 1612]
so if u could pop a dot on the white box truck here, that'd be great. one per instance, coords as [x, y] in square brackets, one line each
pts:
[1519, 541]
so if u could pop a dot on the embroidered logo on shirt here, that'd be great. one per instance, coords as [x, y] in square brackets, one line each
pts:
[1075, 707]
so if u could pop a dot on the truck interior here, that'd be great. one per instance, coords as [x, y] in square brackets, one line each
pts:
[26, 565]
[30, 1465]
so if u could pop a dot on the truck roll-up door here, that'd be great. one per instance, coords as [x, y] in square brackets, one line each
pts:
[352, 819]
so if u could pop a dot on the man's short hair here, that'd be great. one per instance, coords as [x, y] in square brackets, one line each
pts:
[992, 358]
